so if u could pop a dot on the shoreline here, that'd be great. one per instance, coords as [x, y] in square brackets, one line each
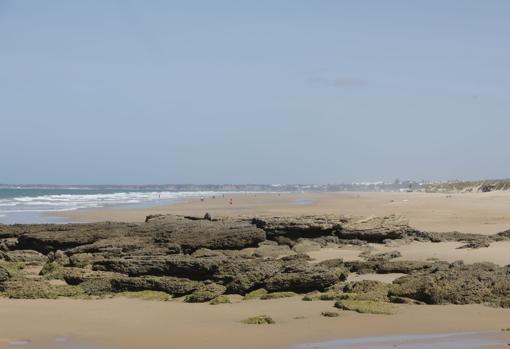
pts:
[484, 213]
[170, 254]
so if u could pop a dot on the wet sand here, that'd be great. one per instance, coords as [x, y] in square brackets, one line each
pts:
[133, 324]
[485, 213]
[464, 340]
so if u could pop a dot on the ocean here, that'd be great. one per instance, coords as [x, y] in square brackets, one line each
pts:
[31, 204]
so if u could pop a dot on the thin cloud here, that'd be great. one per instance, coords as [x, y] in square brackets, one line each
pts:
[340, 82]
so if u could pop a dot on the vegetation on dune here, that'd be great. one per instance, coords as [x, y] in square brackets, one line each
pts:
[471, 186]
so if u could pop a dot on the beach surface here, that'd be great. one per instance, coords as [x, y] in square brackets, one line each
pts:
[483, 213]
[128, 323]
[132, 324]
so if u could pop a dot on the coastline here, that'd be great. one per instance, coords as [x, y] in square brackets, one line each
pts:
[483, 213]
[118, 322]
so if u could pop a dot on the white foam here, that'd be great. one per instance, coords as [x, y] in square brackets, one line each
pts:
[70, 202]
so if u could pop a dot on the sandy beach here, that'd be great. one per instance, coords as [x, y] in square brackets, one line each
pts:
[254, 175]
[127, 323]
[482, 213]
[132, 324]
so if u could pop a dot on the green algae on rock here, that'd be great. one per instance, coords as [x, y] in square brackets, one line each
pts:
[259, 320]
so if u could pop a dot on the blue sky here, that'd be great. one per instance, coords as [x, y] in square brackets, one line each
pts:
[122, 91]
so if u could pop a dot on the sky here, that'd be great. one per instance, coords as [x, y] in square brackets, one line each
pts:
[285, 91]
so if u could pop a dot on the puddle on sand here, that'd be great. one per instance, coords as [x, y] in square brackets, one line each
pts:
[19, 342]
[431, 341]
[302, 202]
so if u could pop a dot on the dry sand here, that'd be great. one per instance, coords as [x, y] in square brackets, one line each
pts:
[498, 252]
[122, 323]
[133, 324]
[485, 213]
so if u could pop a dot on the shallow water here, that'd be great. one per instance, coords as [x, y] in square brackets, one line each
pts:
[430, 341]
[302, 202]
[32, 205]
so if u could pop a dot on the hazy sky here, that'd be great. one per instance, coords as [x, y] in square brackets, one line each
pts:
[253, 91]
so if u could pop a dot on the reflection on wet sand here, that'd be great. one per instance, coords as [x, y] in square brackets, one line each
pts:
[467, 340]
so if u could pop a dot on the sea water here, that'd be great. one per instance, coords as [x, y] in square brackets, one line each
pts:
[30, 205]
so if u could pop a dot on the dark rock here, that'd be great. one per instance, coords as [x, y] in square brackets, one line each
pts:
[52, 270]
[160, 235]
[47, 238]
[376, 229]
[332, 263]
[305, 246]
[215, 235]
[299, 227]
[173, 265]
[404, 300]
[203, 258]
[458, 284]
[305, 278]
[272, 251]
[205, 293]
[176, 287]
[58, 257]
[27, 289]
[4, 274]
[476, 244]
[24, 256]
[205, 252]
[386, 267]
[297, 257]
[367, 290]
[81, 260]
[8, 244]
[241, 275]
[173, 248]
[385, 256]
[334, 229]
[447, 236]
